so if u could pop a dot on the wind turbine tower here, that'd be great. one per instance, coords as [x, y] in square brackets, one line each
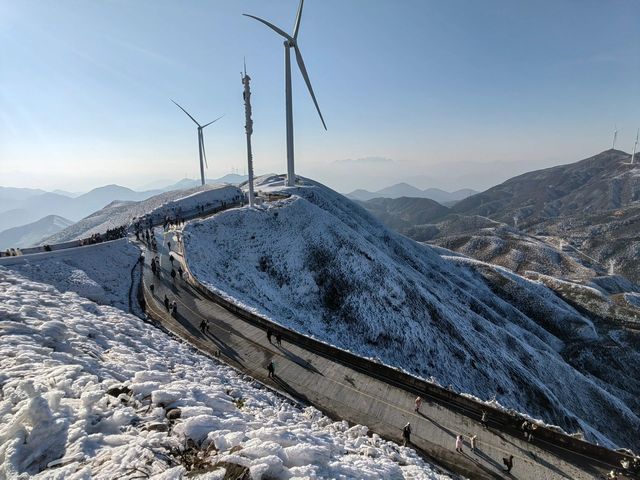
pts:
[201, 150]
[635, 146]
[291, 41]
[248, 128]
[615, 137]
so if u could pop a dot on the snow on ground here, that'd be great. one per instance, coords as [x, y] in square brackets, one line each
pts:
[101, 273]
[120, 213]
[516, 251]
[320, 264]
[88, 391]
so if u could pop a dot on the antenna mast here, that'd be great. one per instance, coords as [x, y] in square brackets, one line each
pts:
[248, 127]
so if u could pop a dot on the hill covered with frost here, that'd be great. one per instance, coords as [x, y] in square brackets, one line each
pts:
[320, 264]
[120, 213]
[31, 234]
[88, 391]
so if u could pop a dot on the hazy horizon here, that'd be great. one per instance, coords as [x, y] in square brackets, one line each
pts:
[454, 95]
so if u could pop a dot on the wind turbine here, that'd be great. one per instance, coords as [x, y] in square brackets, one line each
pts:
[615, 137]
[291, 41]
[203, 154]
[635, 146]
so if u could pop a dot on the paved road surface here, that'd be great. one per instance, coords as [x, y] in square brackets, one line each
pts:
[348, 394]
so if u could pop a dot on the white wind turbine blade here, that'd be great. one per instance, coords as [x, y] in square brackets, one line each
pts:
[296, 27]
[213, 121]
[194, 120]
[272, 27]
[303, 70]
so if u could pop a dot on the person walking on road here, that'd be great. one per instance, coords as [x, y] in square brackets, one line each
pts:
[169, 245]
[171, 259]
[166, 302]
[203, 326]
[508, 463]
[152, 287]
[472, 441]
[418, 404]
[272, 369]
[484, 419]
[279, 339]
[269, 334]
[406, 434]
[173, 274]
[459, 444]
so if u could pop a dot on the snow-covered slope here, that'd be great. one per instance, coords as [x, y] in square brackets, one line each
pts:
[101, 273]
[320, 264]
[120, 213]
[88, 391]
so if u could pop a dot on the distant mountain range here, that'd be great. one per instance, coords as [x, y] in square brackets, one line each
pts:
[587, 214]
[31, 234]
[23, 206]
[165, 185]
[35, 207]
[405, 190]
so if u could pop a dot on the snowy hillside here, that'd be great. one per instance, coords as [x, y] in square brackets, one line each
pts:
[518, 252]
[101, 273]
[123, 213]
[320, 264]
[91, 392]
[32, 233]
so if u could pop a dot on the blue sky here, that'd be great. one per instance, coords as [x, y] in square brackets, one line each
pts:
[442, 90]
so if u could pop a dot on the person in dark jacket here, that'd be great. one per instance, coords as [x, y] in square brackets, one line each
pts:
[406, 434]
[166, 302]
[508, 463]
[272, 369]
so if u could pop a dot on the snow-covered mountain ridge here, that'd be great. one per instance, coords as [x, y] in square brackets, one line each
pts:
[320, 264]
[169, 203]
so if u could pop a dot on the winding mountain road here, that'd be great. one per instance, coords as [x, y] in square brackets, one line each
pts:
[352, 395]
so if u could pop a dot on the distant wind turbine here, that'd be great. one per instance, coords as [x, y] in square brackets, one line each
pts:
[289, 43]
[635, 146]
[615, 137]
[203, 154]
